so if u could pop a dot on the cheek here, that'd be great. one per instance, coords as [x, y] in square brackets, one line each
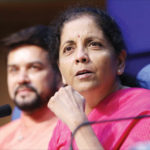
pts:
[39, 81]
[65, 73]
[64, 67]
[10, 82]
[45, 81]
[105, 62]
[11, 87]
[111, 66]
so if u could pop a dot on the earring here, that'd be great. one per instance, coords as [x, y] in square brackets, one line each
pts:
[119, 72]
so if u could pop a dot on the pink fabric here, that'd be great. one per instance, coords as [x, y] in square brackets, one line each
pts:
[114, 135]
[16, 135]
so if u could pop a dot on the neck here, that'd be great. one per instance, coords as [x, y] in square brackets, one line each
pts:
[96, 95]
[38, 116]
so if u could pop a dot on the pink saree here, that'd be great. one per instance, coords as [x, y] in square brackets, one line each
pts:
[113, 135]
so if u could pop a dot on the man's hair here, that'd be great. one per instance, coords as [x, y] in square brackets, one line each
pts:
[35, 35]
[39, 35]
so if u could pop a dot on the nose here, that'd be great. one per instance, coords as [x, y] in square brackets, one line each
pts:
[23, 77]
[82, 56]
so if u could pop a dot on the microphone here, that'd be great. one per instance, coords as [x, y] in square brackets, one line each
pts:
[5, 110]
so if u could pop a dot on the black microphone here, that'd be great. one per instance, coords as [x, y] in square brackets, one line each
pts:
[5, 110]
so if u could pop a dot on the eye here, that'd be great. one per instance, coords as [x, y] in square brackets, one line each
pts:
[35, 67]
[95, 45]
[68, 49]
[12, 69]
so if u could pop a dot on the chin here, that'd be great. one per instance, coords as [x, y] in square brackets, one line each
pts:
[85, 87]
[28, 104]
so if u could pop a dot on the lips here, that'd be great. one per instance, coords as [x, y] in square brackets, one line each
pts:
[82, 72]
[23, 90]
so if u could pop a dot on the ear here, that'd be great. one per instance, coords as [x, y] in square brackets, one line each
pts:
[121, 62]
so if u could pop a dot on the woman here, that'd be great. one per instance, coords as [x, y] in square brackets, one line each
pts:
[90, 55]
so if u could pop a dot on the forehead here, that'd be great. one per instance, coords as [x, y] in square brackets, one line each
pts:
[27, 53]
[84, 24]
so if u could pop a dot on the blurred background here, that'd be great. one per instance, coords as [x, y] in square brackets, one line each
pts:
[131, 15]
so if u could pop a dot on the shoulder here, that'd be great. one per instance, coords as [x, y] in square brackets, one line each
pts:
[129, 101]
[9, 126]
[127, 96]
[135, 100]
[140, 90]
[133, 90]
[132, 93]
[7, 129]
[136, 94]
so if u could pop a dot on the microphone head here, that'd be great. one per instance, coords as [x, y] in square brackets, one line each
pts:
[5, 110]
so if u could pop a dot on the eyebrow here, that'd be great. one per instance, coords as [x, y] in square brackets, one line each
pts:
[10, 66]
[94, 37]
[30, 63]
[87, 39]
[68, 42]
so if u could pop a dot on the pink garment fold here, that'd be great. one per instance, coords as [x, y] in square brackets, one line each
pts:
[113, 135]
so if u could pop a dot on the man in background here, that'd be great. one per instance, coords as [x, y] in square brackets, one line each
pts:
[32, 79]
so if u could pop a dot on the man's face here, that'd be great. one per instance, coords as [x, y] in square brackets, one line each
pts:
[30, 77]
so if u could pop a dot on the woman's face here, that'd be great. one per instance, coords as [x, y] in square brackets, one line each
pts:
[86, 58]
